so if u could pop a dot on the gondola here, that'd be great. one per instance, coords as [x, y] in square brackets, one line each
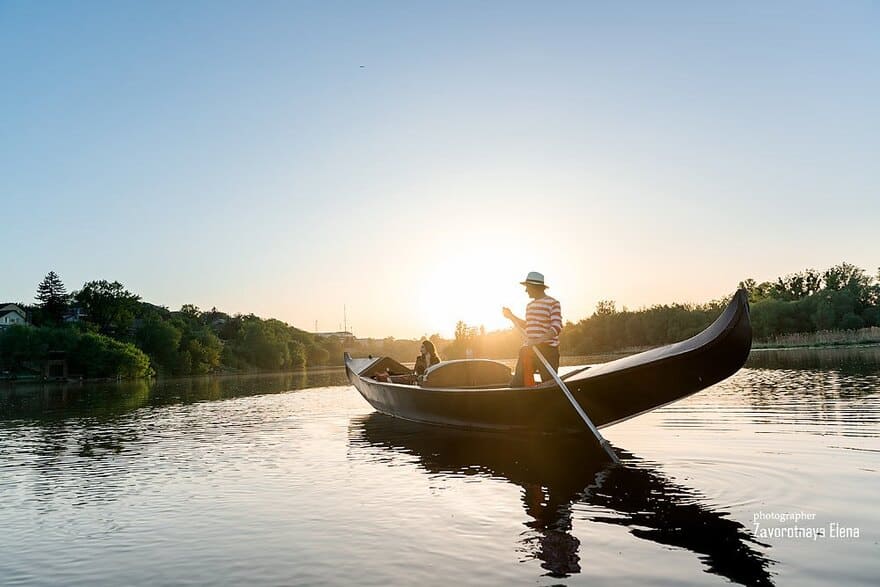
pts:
[474, 393]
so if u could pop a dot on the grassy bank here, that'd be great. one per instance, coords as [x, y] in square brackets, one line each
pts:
[822, 338]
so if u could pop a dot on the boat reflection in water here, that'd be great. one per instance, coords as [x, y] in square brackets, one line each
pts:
[556, 473]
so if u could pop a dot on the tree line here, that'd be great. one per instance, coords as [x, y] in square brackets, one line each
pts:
[842, 297]
[104, 330]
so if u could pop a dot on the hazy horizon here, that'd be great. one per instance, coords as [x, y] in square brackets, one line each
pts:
[414, 162]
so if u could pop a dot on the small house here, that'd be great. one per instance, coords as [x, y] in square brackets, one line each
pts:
[12, 314]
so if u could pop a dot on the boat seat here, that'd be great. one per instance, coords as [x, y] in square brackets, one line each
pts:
[468, 374]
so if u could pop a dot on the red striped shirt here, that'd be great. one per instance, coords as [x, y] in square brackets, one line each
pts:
[544, 319]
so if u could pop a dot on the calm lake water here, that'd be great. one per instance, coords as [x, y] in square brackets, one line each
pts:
[280, 480]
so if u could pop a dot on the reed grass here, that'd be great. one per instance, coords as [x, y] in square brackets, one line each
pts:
[869, 335]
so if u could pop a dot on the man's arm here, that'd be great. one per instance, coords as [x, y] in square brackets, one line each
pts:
[513, 318]
[555, 320]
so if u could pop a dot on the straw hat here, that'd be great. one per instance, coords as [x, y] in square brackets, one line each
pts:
[534, 278]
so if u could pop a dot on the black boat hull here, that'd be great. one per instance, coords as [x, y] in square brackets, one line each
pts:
[609, 393]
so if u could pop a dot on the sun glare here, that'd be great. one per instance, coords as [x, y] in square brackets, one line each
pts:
[467, 289]
[470, 273]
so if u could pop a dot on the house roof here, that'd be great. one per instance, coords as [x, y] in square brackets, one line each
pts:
[5, 312]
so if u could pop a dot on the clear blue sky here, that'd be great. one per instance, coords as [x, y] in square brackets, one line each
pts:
[238, 155]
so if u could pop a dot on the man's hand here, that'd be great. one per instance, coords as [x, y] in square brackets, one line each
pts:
[507, 313]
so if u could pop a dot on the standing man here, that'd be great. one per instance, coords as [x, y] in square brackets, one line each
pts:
[542, 326]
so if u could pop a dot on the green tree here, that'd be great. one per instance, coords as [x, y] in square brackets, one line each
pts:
[88, 354]
[332, 346]
[263, 347]
[297, 355]
[204, 350]
[160, 340]
[95, 355]
[52, 297]
[757, 291]
[850, 321]
[18, 344]
[797, 285]
[109, 306]
[316, 354]
[871, 316]
[850, 277]
[191, 311]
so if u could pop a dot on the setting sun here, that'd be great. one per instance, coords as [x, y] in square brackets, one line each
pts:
[469, 291]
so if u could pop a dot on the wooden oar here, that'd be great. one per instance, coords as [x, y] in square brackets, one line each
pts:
[599, 438]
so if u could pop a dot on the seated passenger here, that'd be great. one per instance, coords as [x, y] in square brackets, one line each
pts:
[427, 358]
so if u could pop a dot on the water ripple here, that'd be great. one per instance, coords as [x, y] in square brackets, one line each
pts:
[294, 480]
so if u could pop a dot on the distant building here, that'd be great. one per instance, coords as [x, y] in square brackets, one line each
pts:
[12, 314]
[218, 322]
[344, 336]
[215, 318]
[75, 314]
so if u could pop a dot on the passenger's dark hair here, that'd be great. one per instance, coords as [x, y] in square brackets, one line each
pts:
[432, 352]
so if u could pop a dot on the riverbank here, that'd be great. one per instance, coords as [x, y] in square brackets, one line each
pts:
[823, 338]
[865, 337]
[802, 340]
[37, 380]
